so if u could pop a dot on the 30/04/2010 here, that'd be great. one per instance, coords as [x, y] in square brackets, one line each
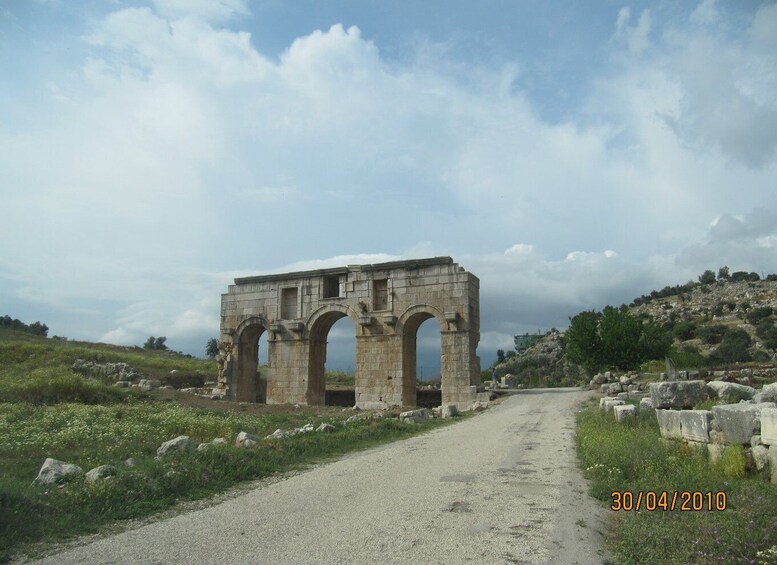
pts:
[684, 501]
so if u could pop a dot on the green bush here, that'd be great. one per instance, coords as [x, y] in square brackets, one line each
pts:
[711, 334]
[684, 331]
[767, 331]
[733, 348]
[756, 315]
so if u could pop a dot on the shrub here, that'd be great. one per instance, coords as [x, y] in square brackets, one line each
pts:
[711, 334]
[684, 331]
[767, 331]
[757, 315]
[734, 347]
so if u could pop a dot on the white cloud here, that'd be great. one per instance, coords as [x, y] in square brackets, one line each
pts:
[637, 37]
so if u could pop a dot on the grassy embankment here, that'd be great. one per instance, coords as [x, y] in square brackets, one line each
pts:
[46, 410]
[632, 457]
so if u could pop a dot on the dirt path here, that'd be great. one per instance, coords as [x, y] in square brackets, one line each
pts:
[499, 488]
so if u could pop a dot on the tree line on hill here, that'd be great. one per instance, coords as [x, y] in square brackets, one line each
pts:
[35, 328]
[706, 278]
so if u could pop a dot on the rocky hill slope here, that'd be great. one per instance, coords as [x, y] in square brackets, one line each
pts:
[698, 315]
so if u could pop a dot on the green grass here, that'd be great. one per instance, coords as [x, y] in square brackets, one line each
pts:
[38, 370]
[46, 410]
[632, 457]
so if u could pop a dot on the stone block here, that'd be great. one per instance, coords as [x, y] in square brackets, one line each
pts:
[610, 403]
[678, 394]
[623, 396]
[730, 392]
[695, 425]
[669, 424]
[614, 388]
[646, 403]
[635, 395]
[739, 422]
[715, 451]
[604, 388]
[769, 393]
[761, 456]
[625, 412]
[449, 411]
[769, 426]
[773, 463]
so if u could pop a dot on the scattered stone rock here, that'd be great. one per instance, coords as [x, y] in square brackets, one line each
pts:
[55, 471]
[769, 393]
[181, 443]
[101, 472]
[246, 440]
[326, 428]
[478, 405]
[760, 456]
[614, 388]
[122, 384]
[646, 404]
[279, 434]
[414, 415]
[598, 379]
[131, 462]
[730, 392]
[307, 428]
[352, 419]
[149, 384]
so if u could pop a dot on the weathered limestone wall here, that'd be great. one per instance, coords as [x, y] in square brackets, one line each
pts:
[386, 302]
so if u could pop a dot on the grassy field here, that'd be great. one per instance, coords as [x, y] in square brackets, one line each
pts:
[632, 457]
[46, 410]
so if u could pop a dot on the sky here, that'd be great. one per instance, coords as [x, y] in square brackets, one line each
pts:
[569, 154]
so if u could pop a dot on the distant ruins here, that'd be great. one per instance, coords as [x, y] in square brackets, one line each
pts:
[386, 302]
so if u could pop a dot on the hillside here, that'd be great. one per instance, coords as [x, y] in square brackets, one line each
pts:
[698, 317]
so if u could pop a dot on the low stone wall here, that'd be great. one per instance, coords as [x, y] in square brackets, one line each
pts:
[750, 423]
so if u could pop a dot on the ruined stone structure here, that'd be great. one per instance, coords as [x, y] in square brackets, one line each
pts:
[386, 302]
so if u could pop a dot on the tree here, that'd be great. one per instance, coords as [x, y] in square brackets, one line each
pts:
[157, 343]
[614, 338]
[582, 341]
[707, 277]
[36, 328]
[212, 348]
[500, 355]
[723, 274]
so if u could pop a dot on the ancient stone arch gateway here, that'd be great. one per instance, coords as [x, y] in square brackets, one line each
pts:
[386, 302]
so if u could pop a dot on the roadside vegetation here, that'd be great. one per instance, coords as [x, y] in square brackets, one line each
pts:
[48, 410]
[631, 457]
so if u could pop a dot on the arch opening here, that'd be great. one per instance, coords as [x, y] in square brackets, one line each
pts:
[337, 330]
[253, 366]
[422, 361]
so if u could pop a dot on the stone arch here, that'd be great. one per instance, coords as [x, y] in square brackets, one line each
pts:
[407, 328]
[248, 387]
[316, 331]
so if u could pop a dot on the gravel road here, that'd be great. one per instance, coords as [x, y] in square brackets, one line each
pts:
[501, 487]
